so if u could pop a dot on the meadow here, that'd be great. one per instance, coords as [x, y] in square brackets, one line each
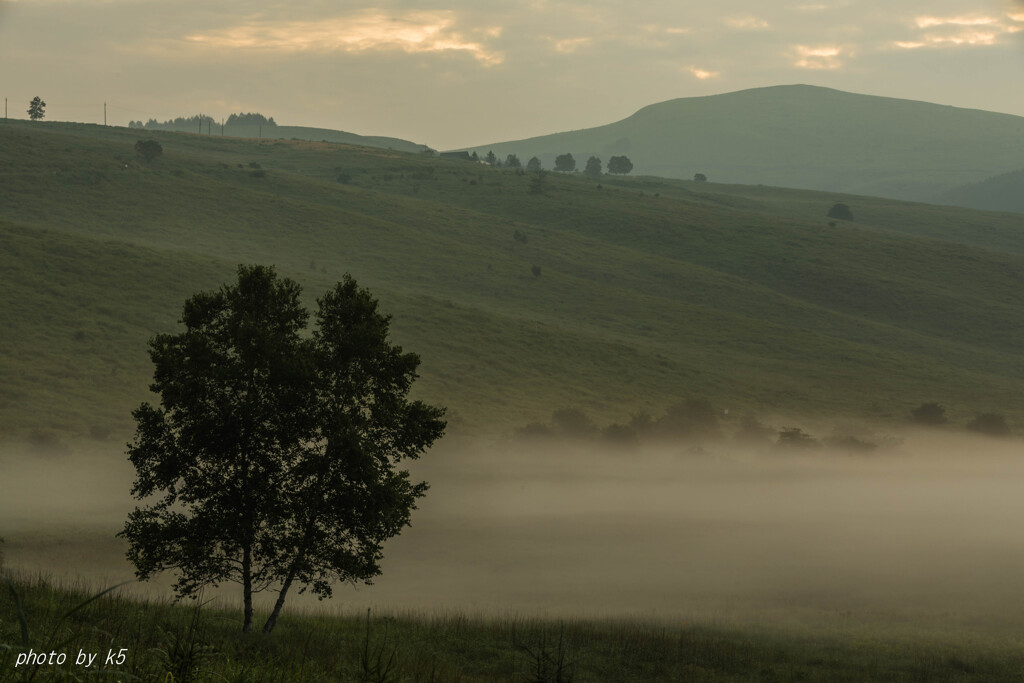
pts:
[536, 560]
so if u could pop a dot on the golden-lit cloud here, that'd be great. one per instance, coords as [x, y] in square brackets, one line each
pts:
[703, 74]
[957, 30]
[928, 22]
[413, 32]
[826, 57]
[570, 45]
[748, 23]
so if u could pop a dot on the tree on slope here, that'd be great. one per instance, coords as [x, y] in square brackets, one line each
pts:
[274, 456]
[36, 108]
[620, 165]
[565, 163]
[593, 169]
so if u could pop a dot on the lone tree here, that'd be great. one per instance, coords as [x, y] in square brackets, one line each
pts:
[36, 108]
[699, 178]
[512, 161]
[620, 165]
[840, 211]
[593, 169]
[565, 163]
[148, 149]
[533, 165]
[274, 456]
[490, 158]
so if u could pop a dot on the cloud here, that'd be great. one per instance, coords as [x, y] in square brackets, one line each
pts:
[957, 30]
[369, 30]
[570, 45]
[817, 57]
[748, 23]
[703, 74]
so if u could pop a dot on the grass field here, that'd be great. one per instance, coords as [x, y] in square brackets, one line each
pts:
[189, 643]
[649, 291]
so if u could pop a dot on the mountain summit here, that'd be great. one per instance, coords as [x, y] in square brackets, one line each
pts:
[801, 136]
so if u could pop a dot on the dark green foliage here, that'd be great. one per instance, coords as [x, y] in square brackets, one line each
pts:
[344, 178]
[989, 424]
[148, 149]
[512, 161]
[250, 119]
[36, 108]
[752, 432]
[620, 434]
[796, 438]
[538, 183]
[692, 418]
[700, 178]
[572, 422]
[491, 159]
[840, 211]
[931, 414]
[273, 454]
[565, 163]
[533, 165]
[620, 165]
[258, 173]
[535, 269]
[519, 236]
[593, 169]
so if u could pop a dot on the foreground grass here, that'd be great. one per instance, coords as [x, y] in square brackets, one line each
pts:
[184, 642]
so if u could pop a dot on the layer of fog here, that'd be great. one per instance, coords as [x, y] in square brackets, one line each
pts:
[929, 531]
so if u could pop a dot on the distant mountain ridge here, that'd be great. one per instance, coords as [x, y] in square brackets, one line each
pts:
[800, 136]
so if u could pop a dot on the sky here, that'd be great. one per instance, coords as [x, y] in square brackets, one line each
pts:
[466, 73]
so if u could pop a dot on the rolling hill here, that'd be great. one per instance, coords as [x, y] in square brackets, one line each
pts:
[522, 295]
[800, 136]
[1004, 192]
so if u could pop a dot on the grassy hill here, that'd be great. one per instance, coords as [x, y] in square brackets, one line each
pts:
[275, 132]
[800, 136]
[1004, 192]
[626, 295]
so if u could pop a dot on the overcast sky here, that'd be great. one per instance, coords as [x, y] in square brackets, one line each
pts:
[466, 73]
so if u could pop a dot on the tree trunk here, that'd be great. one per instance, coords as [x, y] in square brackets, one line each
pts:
[272, 619]
[247, 588]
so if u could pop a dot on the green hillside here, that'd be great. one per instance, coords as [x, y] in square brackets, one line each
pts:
[800, 136]
[1004, 192]
[275, 132]
[648, 290]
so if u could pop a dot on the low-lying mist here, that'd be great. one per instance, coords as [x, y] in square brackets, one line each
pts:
[927, 532]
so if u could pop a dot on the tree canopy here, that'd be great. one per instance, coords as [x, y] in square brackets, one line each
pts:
[593, 169]
[620, 165]
[36, 108]
[533, 165]
[274, 455]
[565, 163]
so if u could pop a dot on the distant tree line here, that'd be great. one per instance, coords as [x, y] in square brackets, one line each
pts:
[697, 422]
[564, 163]
[194, 122]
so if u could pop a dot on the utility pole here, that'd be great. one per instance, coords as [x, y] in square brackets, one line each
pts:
[104, 114]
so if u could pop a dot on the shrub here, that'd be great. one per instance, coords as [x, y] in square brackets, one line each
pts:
[148, 149]
[931, 414]
[989, 424]
[840, 211]
[796, 438]
[535, 270]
